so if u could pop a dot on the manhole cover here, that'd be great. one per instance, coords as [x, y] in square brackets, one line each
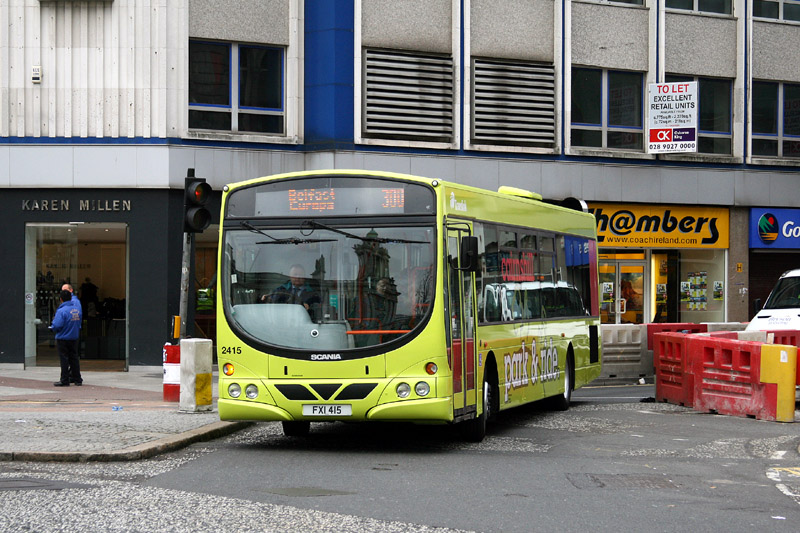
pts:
[621, 481]
[38, 484]
[306, 492]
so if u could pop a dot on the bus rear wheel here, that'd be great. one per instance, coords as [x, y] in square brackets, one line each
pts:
[561, 403]
[296, 428]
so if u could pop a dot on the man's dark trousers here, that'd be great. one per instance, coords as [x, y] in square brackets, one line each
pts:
[70, 364]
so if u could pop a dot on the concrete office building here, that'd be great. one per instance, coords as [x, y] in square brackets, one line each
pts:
[104, 105]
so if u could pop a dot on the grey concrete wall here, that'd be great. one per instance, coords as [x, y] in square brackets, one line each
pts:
[522, 29]
[700, 45]
[136, 166]
[256, 21]
[610, 36]
[738, 252]
[776, 51]
[591, 181]
[422, 25]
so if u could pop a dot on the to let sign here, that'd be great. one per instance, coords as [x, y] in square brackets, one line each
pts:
[672, 112]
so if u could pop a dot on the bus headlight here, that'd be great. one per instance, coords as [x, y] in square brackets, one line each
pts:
[251, 391]
[234, 390]
[403, 390]
[422, 388]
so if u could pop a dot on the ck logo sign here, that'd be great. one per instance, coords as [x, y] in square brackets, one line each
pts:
[662, 136]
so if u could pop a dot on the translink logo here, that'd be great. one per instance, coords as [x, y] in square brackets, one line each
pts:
[456, 204]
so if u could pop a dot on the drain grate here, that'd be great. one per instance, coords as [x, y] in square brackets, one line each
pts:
[22, 483]
[621, 481]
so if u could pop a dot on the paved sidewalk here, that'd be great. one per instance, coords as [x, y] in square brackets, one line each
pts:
[114, 416]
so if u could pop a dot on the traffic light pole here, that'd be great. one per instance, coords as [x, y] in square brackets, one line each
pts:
[186, 269]
[196, 218]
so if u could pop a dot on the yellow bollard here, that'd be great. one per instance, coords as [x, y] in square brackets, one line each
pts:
[779, 366]
[196, 363]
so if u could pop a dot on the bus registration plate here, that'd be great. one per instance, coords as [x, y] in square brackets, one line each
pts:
[328, 410]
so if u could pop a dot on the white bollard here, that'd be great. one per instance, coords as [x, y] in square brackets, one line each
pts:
[196, 362]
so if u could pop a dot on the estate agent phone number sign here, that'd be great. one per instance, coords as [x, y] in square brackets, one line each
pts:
[672, 117]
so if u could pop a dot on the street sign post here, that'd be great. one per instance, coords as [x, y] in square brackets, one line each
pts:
[672, 117]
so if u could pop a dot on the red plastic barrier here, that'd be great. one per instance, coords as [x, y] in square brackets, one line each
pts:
[790, 337]
[727, 377]
[676, 327]
[674, 377]
[172, 372]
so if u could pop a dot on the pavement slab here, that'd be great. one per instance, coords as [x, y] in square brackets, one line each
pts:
[113, 416]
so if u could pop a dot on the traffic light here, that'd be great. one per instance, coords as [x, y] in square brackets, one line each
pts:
[196, 216]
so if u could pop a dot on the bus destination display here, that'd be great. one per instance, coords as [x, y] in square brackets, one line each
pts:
[332, 201]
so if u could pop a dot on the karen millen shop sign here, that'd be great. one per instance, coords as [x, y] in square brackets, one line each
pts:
[83, 205]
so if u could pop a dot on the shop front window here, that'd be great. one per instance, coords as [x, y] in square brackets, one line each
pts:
[688, 285]
[92, 259]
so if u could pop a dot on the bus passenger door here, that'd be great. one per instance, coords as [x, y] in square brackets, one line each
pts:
[460, 325]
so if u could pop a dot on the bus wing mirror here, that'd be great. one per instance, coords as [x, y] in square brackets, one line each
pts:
[469, 254]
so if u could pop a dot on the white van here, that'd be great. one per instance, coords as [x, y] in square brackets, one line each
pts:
[782, 308]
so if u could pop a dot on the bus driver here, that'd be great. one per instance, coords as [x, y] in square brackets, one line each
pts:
[295, 291]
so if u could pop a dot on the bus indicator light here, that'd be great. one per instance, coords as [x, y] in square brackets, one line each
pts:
[431, 368]
[227, 369]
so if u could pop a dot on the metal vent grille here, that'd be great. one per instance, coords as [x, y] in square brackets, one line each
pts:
[513, 103]
[407, 95]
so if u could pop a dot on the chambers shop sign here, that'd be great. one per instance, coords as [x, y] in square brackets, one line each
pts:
[661, 226]
[82, 205]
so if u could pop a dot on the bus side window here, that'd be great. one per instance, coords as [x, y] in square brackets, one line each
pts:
[534, 303]
[492, 308]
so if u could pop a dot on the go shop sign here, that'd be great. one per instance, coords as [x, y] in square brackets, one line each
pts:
[774, 228]
[661, 226]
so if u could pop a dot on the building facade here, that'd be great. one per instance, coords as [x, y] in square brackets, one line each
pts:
[104, 105]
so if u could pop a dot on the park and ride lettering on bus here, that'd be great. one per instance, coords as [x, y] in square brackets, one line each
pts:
[526, 366]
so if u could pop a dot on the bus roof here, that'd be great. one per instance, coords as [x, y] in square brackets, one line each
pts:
[496, 206]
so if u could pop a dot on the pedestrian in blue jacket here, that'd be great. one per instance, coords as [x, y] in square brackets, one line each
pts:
[67, 327]
[74, 298]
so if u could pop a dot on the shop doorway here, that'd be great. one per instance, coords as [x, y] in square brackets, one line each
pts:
[93, 258]
[624, 299]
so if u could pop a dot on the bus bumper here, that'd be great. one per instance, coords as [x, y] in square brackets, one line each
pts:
[244, 410]
[439, 409]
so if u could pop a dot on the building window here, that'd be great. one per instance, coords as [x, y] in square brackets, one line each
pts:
[215, 69]
[706, 6]
[607, 109]
[714, 114]
[513, 103]
[776, 119]
[777, 9]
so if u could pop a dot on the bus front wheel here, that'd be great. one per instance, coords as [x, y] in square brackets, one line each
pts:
[297, 428]
[474, 430]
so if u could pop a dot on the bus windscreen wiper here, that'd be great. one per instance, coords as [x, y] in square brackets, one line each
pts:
[290, 240]
[254, 229]
[383, 240]
[295, 240]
